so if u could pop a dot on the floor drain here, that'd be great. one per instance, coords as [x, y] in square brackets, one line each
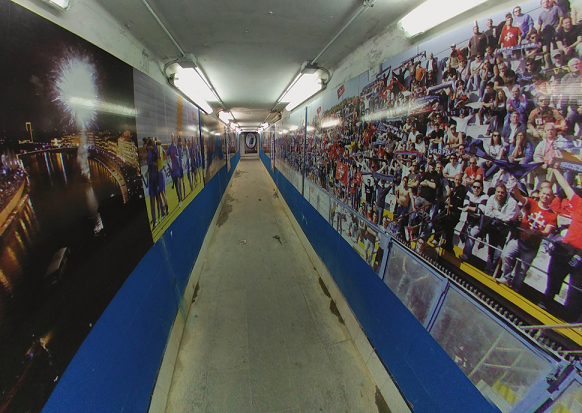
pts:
[242, 241]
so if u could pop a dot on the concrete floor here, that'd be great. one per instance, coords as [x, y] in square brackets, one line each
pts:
[262, 334]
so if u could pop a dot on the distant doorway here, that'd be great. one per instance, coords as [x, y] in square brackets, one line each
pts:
[250, 142]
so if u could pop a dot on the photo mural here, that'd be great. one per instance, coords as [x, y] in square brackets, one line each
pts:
[96, 160]
[266, 137]
[212, 136]
[170, 152]
[464, 151]
[73, 222]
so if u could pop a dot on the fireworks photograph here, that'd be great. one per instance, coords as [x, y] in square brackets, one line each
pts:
[73, 220]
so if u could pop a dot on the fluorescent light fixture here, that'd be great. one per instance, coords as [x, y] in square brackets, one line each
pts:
[193, 86]
[292, 128]
[431, 13]
[199, 71]
[225, 116]
[307, 86]
[264, 125]
[234, 125]
[217, 133]
[62, 5]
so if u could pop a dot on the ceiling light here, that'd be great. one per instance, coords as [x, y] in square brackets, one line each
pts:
[217, 133]
[225, 116]
[431, 13]
[309, 68]
[191, 84]
[234, 125]
[264, 125]
[292, 128]
[307, 86]
[62, 5]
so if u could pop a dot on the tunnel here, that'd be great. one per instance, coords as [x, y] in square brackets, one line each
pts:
[306, 206]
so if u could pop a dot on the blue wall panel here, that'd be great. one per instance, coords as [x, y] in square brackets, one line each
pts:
[116, 367]
[425, 374]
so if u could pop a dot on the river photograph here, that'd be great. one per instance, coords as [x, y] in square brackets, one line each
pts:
[73, 220]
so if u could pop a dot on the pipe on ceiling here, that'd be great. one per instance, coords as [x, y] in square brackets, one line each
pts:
[163, 27]
[157, 19]
[365, 6]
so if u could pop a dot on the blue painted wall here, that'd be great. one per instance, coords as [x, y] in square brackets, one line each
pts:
[116, 367]
[423, 371]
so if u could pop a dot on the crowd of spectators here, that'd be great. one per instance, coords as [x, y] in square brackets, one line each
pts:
[473, 148]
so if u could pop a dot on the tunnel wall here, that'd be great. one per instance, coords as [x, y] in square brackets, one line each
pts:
[427, 377]
[92, 339]
[115, 368]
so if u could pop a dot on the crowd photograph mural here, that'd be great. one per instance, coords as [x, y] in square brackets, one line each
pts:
[465, 152]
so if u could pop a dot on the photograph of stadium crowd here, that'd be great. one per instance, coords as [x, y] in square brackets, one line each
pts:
[468, 145]
[170, 154]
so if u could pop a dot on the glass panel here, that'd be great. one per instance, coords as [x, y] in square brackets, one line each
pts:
[318, 198]
[501, 366]
[570, 401]
[412, 282]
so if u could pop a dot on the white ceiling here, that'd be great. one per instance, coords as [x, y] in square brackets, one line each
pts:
[251, 50]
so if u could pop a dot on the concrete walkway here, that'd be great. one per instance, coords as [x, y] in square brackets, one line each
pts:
[262, 334]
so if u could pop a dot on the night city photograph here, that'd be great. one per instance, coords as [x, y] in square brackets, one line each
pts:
[73, 220]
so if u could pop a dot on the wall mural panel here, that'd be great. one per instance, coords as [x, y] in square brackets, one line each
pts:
[73, 222]
[467, 149]
[213, 156]
[170, 153]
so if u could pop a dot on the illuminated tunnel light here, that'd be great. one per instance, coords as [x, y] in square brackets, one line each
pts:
[194, 87]
[307, 86]
[431, 13]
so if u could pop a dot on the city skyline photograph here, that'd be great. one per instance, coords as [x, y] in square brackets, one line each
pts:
[73, 221]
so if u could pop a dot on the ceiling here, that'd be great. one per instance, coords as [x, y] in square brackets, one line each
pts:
[251, 50]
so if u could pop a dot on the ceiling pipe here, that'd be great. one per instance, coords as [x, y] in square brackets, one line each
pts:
[157, 19]
[182, 54]
[365, 6]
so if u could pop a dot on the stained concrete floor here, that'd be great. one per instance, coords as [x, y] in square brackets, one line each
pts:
[262, 334]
